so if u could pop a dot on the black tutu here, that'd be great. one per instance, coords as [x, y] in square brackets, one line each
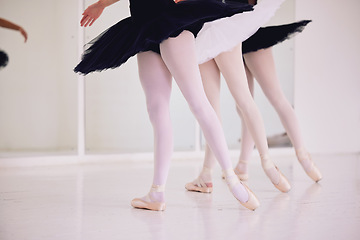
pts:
[150, 23]
[269, 36]
[4, 59]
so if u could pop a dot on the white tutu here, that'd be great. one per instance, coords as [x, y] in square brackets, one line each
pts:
[226, 33]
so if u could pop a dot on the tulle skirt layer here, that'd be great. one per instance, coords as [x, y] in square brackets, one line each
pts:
[148, 26]
[224, 34]
[269, 36]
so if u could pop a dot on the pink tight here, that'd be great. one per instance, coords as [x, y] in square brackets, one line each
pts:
[260, 65]
[230, 64]
[156, 81]
[178, 57]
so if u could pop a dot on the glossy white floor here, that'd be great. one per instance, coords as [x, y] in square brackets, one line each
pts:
[93, 202]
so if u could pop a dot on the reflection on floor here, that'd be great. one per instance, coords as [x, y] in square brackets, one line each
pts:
[93, 202]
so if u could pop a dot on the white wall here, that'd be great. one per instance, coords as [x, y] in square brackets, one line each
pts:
[327, 75]
[38, 88]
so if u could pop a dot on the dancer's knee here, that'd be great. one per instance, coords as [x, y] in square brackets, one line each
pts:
[157, 109]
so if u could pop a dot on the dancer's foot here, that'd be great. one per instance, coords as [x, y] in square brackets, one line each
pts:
[306, 162]
[276, 177]
[202, 183]
[154, 200]
[240, 191]
[241, 170]
[198, 185]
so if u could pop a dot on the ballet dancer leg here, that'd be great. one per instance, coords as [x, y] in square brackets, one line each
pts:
[156, 82]
[203, 183]
[210, 72]
[232, 67]
[261, 64]
[247, 142]
[180, 58]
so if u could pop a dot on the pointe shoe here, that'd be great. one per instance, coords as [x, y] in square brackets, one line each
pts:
[283, 184]
[147, 202]
[242, 176]
[198, 185]
[252, 203]
[313, 172]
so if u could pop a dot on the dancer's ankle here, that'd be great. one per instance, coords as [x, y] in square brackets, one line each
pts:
[157, 193]
[157, 196]
[237, 189]
[301, 151]
[241, 167]
[270, 169]
[154, 200]
[304, 158]
[206, 176]
[307, 163]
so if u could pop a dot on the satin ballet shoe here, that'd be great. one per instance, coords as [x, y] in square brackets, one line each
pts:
[283, 184]
[242, 176]
[198, 185]
[147, 202]
[313, 172]
[232, 180]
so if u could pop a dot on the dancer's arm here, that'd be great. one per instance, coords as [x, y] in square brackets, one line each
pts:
[94, 11]
[7, 24]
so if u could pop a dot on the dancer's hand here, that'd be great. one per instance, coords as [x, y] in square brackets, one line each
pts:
[23, 32]
[10, 25]
[92, 13]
